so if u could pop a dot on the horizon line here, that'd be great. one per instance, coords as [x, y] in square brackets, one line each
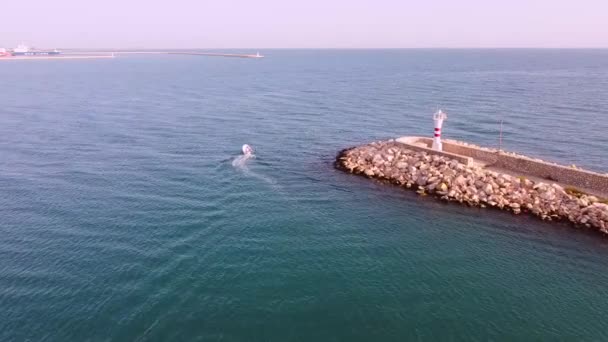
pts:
[344, 48]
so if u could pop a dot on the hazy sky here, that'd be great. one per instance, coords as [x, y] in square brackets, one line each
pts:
[304, 23]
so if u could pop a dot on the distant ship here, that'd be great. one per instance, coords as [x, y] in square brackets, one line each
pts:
[24, 50]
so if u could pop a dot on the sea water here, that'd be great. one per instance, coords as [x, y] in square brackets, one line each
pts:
[124, 215]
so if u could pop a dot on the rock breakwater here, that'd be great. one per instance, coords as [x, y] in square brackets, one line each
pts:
[450, 180]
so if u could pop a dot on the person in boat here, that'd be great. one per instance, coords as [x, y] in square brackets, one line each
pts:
[247, 150]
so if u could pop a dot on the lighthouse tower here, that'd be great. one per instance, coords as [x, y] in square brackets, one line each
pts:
[438, 118]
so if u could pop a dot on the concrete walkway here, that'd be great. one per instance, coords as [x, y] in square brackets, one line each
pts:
[529, 168]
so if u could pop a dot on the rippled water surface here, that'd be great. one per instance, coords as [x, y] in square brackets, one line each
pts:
[124, 215]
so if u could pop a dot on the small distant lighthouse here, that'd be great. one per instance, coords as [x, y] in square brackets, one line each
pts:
[438, 118]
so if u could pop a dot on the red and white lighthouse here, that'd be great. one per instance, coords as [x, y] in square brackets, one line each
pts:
[438, 118]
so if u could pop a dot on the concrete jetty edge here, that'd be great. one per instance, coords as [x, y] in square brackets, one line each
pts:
[509, 162]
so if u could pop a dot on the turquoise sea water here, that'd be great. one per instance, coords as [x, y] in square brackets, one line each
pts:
[123, 216]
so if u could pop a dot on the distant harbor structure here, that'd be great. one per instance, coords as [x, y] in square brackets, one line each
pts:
[456, 171]
[217, 54]
[22, 51]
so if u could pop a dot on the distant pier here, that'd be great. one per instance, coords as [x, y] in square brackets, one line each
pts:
[214, 54]
[191, 53]
[112, 54]
[47, 57]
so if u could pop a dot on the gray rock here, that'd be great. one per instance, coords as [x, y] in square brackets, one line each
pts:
[421, 181]
[460, 180]
[402, 165]
[488, 189]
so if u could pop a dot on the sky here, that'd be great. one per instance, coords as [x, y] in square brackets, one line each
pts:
[259, 24]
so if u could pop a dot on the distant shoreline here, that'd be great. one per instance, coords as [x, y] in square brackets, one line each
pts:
[12, 58]
[322, 48]
[112, 54]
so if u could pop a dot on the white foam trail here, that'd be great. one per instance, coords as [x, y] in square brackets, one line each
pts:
[240, 163]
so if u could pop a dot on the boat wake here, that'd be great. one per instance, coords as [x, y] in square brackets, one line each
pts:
[241, 164]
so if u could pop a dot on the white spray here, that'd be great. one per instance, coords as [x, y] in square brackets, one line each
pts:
[240, 163]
